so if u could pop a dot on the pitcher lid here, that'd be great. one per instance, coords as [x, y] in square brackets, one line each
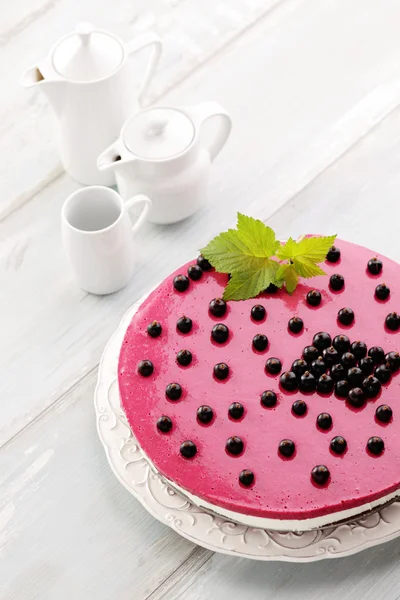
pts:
[87, 54]
[158, 133]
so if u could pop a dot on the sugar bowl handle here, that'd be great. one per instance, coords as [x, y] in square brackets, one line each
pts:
[138, 44]
[210, 110]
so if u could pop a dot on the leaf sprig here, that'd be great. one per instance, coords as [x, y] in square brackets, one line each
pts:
[254, 258]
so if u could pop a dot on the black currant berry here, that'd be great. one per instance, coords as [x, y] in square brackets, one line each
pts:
[324, 421]
[366, 365]
[217, 307]
[325, 384]
[348, 360]
[205, 414]
[145, 368]
[318, 367]
[184, 324]
[333, 254]
[383, 373]
[246, 477]
[260, 342]
[181, 283]
[203, 263]
[258, 312]
[336, 282]
[342, 388]
[375, 445]
[195, 272]
[314, 298]
[299, 408]
[356, 397]
[154, 329]
[371, 386]
[188, 449]
[322, 340]
[359, 349]
[184, 357]
[377, 354]
[310, 353]
[271, 289]
[299, 367]
[236, 410]
[338, 445]
[374, 266]
[355, 376]
[273, 366]
[221, 371]
[307, 382]
[338, 372]
[331, 356]
[288, 381]
[286, 448]
[220, 333]
[234, 445]
[296, 324]
[320, 474]
[393, 360]
[382, 292]
[268, 399]
[164, 424]
[341, 343]
[173, 391]
[384, 413]
[392, 321]
[346, 316]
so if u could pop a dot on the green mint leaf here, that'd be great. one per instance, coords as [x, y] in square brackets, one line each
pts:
[306, 268]
[258, 236]
[250, 283]
[288, 274]
[313, 248]
[244, 249]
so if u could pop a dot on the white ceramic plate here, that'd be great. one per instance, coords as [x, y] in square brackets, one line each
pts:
[215, 533]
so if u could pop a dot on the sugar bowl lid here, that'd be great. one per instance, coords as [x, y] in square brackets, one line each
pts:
[87, 54]
[158, 133]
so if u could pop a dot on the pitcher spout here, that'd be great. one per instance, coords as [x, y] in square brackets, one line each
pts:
[51, 85]
[114, 157]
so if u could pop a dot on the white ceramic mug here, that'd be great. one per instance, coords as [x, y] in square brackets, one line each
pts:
[98, 237]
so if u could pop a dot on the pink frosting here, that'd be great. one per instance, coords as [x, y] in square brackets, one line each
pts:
[283, 488]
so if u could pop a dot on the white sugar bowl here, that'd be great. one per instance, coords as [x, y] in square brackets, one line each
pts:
[161, 153]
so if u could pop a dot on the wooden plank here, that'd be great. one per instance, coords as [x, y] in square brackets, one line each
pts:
[68, 529]
[192, 31]
[57, 337]
[357, 197]
[369, 575]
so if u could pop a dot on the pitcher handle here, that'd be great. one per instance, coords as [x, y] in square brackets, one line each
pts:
[138, 199]
[138, 44]
[207, 110]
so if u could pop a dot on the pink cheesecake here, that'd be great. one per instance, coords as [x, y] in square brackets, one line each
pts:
[250, 413]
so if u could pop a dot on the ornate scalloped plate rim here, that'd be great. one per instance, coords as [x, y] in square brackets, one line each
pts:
[198, 526]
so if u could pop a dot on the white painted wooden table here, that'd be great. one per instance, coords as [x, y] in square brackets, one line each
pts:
[313, 87]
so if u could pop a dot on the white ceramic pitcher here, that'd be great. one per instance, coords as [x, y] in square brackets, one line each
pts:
[87, 79]
[162, 153]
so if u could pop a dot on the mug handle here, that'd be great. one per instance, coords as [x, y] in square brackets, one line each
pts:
[207, 110]
[138, 199]
[136, 45]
